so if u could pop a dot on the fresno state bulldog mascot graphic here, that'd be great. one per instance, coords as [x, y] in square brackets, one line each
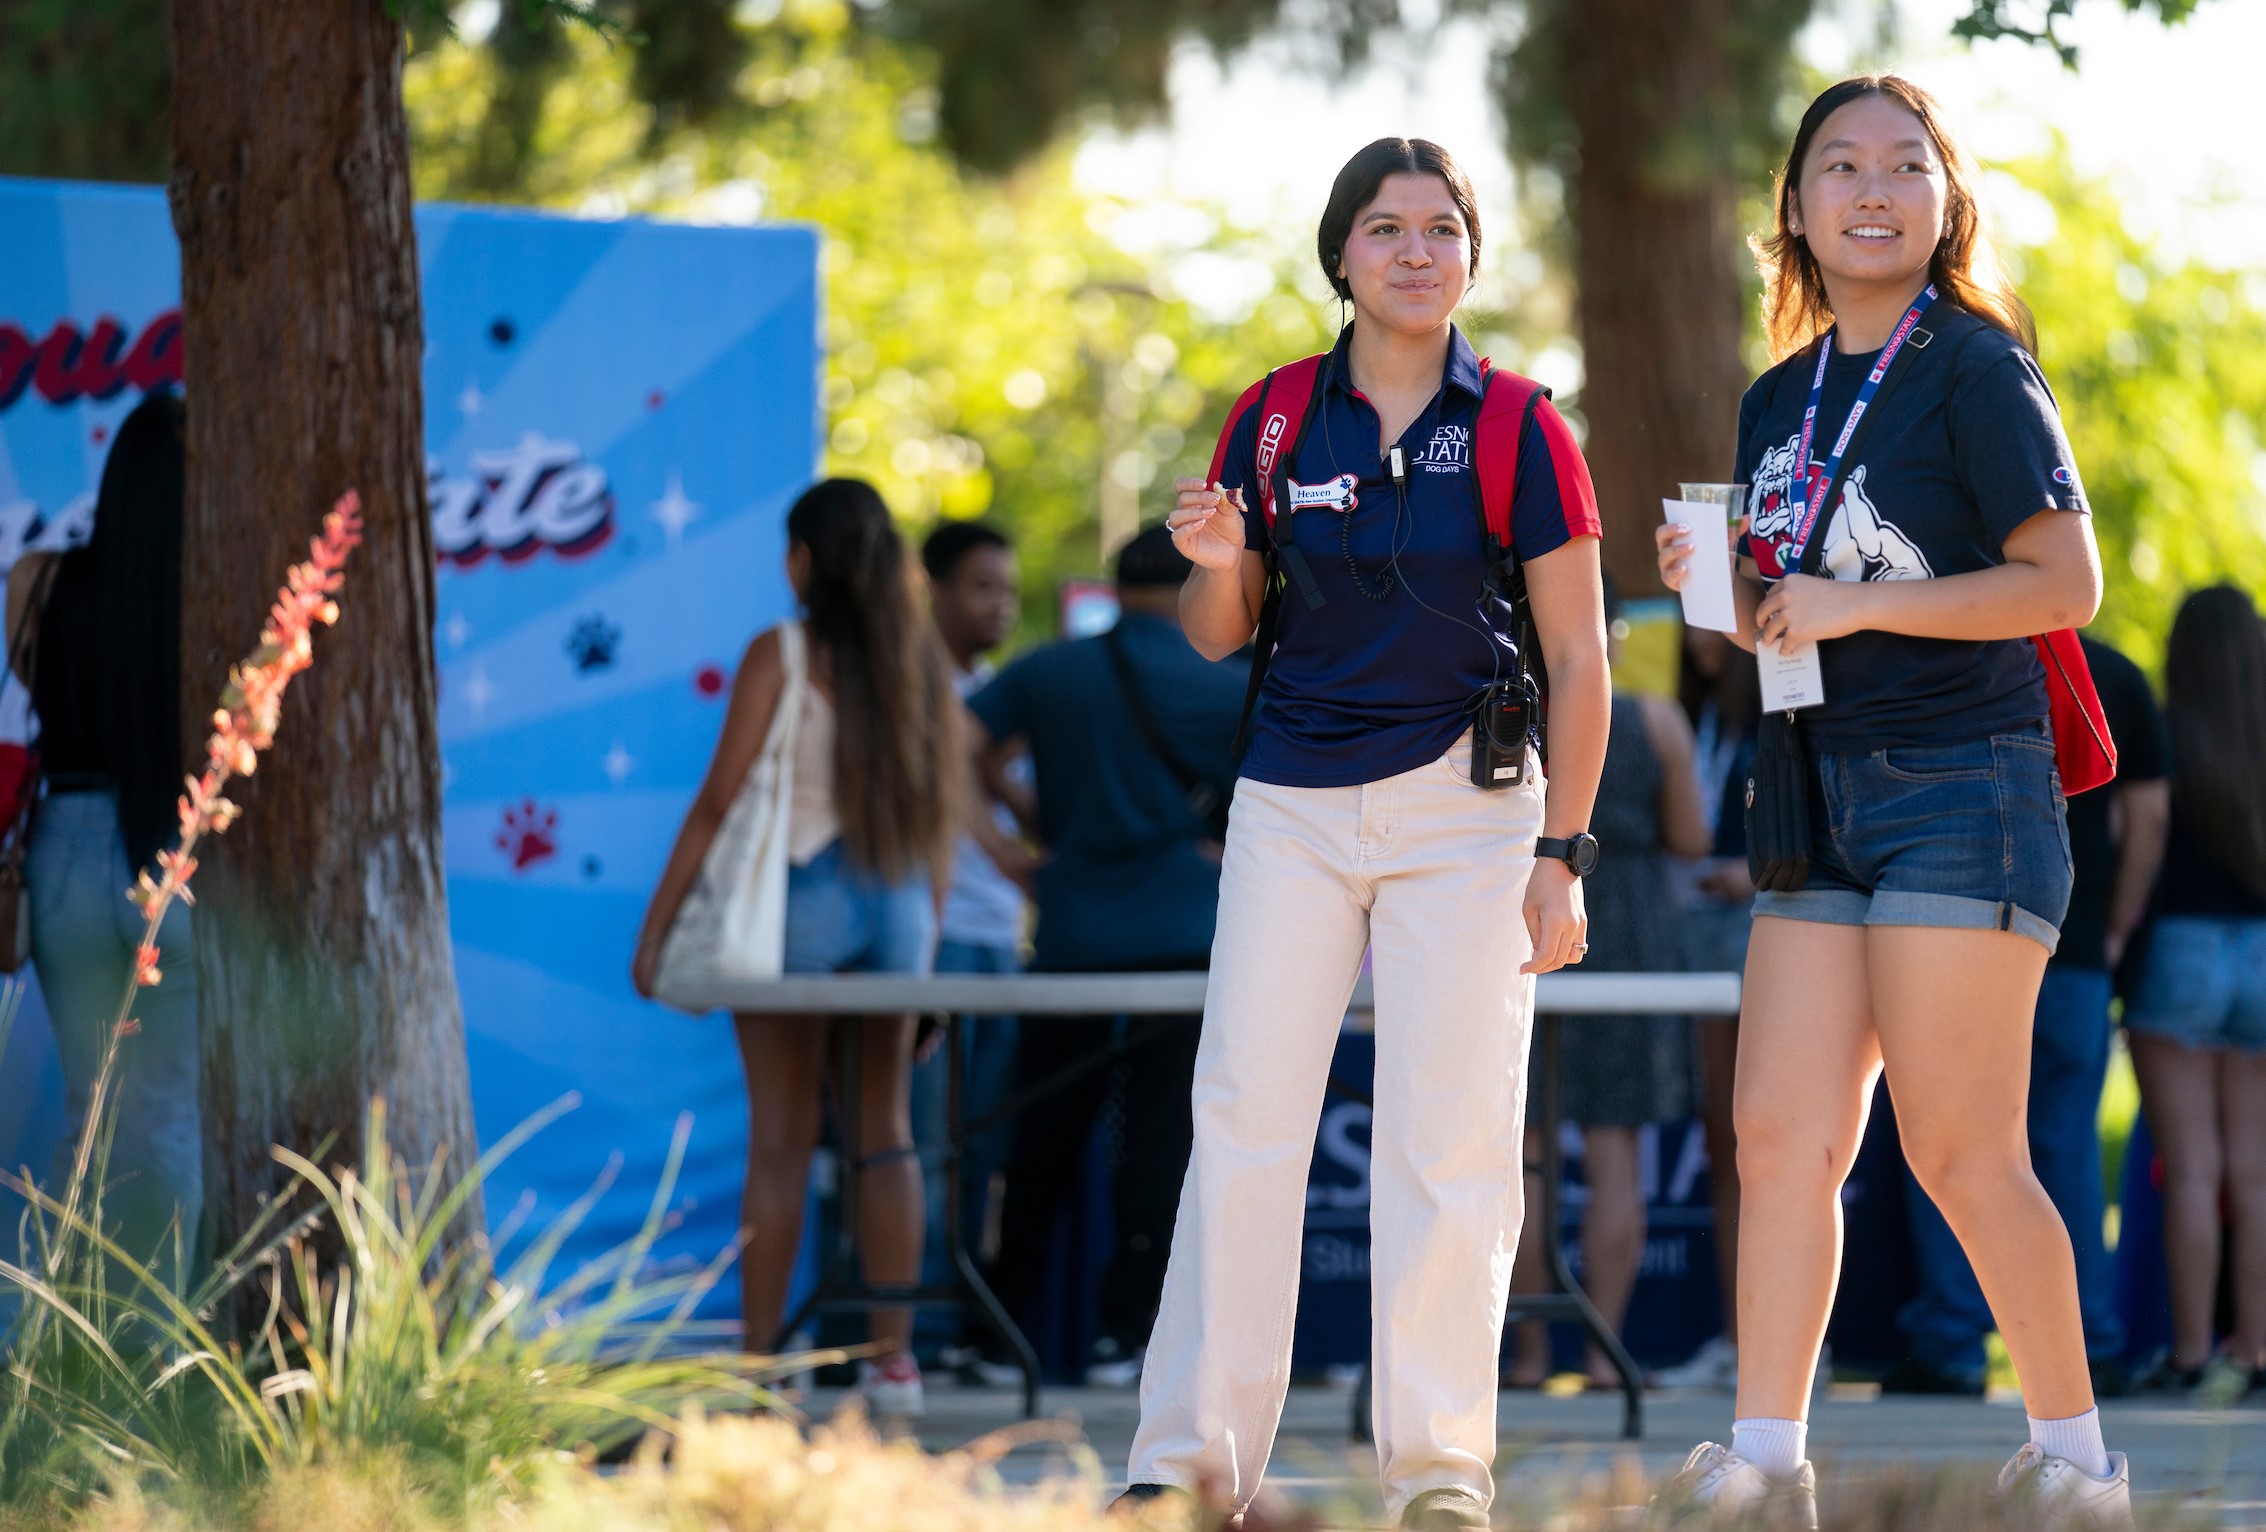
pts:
[1860, 542]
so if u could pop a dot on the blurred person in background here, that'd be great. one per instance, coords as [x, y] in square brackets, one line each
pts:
[1617, 1073]
[975, 597]
[95, 634]
[1130, 737]
[1722, 696]
[878, 761]
[2116, 842]
[2198, 1020]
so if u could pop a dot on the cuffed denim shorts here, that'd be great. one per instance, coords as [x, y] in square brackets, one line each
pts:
[844, 919]
[1972, 837]
[2203, 983]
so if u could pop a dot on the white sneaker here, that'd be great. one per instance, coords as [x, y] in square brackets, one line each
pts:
[985, 1373]
[1113, 1368]
[1715, 1366]
[891, 1387]
[2061, 1494]
[1728, 1487]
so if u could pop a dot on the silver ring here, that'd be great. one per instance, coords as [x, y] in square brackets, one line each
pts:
[1581, 946]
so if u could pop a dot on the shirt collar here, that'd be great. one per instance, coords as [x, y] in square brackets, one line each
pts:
[1462, 371]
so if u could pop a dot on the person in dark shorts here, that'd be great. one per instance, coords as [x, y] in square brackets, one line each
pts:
[1721, 695]
[1617, 1073]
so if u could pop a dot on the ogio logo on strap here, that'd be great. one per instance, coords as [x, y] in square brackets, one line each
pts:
[1270, 441]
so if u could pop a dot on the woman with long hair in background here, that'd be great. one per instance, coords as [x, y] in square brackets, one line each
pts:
[96, 634]
[2198, 1022]
[874, 797]
[1938, 869]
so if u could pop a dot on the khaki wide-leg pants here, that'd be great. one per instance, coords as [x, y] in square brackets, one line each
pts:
[1429, 873]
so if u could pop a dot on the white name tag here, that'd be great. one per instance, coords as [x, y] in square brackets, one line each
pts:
[1330, 495]
[1790, 681]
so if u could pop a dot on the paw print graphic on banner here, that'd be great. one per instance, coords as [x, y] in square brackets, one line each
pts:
[529, 835]
[592, 643]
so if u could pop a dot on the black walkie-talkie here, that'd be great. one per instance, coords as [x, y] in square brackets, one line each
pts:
[1503, 731]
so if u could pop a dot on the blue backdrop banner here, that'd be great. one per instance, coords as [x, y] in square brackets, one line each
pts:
[617, 415]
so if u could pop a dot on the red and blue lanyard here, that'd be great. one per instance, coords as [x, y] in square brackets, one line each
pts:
[1814, 492]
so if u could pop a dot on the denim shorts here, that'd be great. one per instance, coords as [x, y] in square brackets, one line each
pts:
[844, 919]
[2203, 983]
[1973, 837]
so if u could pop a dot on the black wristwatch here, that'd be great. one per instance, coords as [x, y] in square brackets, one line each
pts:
[1578, 851]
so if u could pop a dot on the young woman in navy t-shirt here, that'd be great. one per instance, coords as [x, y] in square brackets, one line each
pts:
[1356, 825]
[1940, 868]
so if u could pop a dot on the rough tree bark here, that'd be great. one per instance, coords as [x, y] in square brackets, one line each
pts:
[1657, 102]
[322, 927]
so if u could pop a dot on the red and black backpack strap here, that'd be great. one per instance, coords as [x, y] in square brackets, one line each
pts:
[1286, 407]
[1283, 403]
[1507, 403]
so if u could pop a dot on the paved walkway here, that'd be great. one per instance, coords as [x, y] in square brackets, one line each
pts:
[2214, 1459]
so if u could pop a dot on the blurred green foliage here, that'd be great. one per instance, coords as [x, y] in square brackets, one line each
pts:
[2040, 21]
[997, 345]
[2160, 369]
[994, 346]
[84, 87]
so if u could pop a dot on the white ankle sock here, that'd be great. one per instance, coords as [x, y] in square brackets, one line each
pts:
[1774, 1446]
[2078, 1439]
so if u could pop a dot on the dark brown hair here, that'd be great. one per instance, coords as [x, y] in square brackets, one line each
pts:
[2215, 704]
[1364, 175]
[1964, 268]
[111, 628]
[896, 741]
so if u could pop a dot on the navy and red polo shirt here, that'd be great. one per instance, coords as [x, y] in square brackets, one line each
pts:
[1362, 688]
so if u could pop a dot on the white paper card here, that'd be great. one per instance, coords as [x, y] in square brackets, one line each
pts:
[1790, 681]
[1707, 573]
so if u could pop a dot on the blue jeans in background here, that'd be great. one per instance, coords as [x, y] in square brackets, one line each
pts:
[83, 934]
[2069, 1060]
[987, 1052]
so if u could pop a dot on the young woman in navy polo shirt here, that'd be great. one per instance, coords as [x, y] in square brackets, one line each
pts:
[1356, 825]
[1940, 871]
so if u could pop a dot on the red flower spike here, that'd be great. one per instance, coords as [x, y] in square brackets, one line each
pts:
[242, 726]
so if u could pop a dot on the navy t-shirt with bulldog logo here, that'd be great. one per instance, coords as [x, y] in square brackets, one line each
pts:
[1966, 447]
[1364, 688]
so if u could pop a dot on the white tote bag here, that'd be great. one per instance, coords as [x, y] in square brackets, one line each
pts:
[733, 924]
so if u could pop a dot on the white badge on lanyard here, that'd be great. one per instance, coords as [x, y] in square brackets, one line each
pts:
[1790, 681]
[1797, 680]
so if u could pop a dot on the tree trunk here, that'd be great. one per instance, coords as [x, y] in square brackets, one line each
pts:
[1654, 91]
[322, 938]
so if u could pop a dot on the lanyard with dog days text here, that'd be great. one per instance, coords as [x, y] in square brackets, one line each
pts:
[1815, 490]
